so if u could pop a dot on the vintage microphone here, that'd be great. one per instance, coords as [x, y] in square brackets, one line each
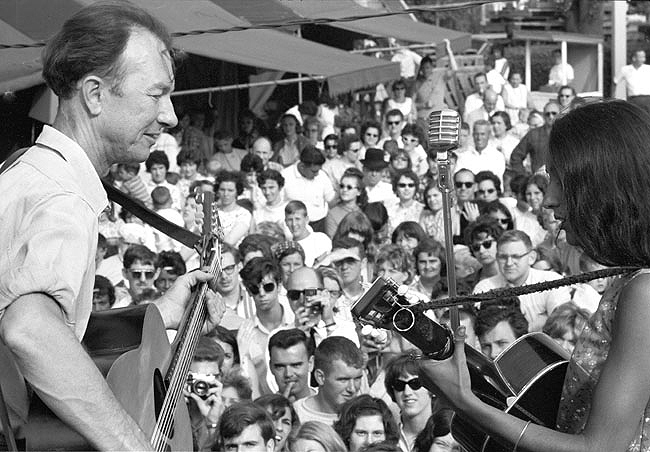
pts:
[444, 128]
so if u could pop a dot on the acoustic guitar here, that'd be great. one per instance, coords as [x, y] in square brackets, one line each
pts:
[525, 380]
[147, 375]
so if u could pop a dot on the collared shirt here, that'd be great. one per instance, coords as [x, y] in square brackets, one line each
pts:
[637, 80]
[535, 144]
[316, 193]
[536, 306]
[51, 201]
[488, 159]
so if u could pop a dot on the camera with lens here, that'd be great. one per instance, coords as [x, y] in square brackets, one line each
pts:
[315, 308]
[200, 384]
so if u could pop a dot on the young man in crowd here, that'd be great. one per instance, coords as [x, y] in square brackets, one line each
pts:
[239, 303]
[139, 275]
[515, 258]
[498, 326]
[245, 427]
[291, 363]
[271, 183]
[169, 266]
[338, 368]
[415, 402]
[348, 258]
[305, 181]
[158, 165]
[315, 244]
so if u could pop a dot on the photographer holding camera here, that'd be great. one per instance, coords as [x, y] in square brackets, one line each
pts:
[203, 392]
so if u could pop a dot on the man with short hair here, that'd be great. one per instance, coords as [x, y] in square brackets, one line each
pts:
[475, 100]
[345, 155]
[139, 275]
[238, 302]
[565, 96]
[246, 427]
[169, 266]
[535, 143]
[484, 156]
[498, 326]
[291, 362]
[112, 70]
[338, 368]
[305, 181]
[158, 165]
[636, 77]
[348, 257]
[486, 110]
[515, 258]
[315, 244]
[394, 125]
[271, 183]
[228, 157]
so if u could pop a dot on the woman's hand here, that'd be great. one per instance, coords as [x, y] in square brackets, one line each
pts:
[470, 211]
[449, 378]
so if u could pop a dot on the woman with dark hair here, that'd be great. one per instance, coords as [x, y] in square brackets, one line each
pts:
[285, 419]
[368, 415]
[286, 151]
[436, 436]
[500, 214]
[408, 235]
[430, 89]
[352, 197]
[228, 341]
[398, 100]
[605, 403]
[534, 191]
[370, 135]
[504, 141]
[431, 219]
[235, 220]
[355, 225]
[406, 208]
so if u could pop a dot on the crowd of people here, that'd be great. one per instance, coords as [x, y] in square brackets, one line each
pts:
[313, 211]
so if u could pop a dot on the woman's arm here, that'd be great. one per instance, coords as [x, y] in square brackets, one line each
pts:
[619, 401]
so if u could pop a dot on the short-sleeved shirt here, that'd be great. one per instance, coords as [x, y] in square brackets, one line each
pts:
[316, 193]
[51, 201]
[637, 80]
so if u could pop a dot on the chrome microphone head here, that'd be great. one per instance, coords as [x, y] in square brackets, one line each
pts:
[444, 128]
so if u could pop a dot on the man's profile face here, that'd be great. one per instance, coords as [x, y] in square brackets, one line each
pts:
[291, 367]
[340, 383]
[141, 276]
[481, 136]
[250, 440]
[133, 115]
[514, 260]
[497, 339]
[368, 429]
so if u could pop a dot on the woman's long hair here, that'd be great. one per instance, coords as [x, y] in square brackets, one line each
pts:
[600, 154]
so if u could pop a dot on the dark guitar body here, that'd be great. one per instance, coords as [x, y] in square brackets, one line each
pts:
[131, 349]
[525, 380]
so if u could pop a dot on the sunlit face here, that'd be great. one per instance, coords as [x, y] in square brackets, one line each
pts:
[405, 188]
[270, 190]
[340, 383]
[412, 402]
[367, 430]
[291, 367]
[428, 265]
[400, 161]
[266, 297]
[497, 339]
[228, 279]
[349, 269]
[394, 125]
[486, 191]
[140, 276]
[290, 264]
[349, 189]
[262, 148]
[227, 193]
[534, 197]
[434, 199]
[158, 173]
[282, 428]
[251, 179]
[297, 223]
[551, 111]
[565, 96]
[481, 136]
[188, 169]
[515, 79]
[410, 142]
[498, 126]
[331, 149]
[371, 137]
[250, 440]
[407, 243]
[514, 260]
[465, 186]
[133, 115]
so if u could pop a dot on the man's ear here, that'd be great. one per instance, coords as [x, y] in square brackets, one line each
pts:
[532, 257]
[311, 364]
[319, 375]
[92, 91]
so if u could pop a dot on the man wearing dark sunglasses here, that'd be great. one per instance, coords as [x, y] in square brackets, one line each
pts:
[415, 402]
[394, 125]
[139, 275]
[535, 142]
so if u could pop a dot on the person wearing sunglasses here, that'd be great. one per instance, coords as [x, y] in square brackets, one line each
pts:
[139, 274]
[515, 257]
[535, 143]
[415, 402]
[400, 101]
[394, 125]
[370, 134]
[466, 209]
[412, 135]
[481, 237]
[405, 186]
[352, 197]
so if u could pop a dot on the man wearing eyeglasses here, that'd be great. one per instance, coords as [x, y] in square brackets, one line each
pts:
[535, 143]
[415, 402]
[139, 275]
[515, 258]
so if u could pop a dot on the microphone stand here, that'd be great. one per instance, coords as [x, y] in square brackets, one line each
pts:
[444, 182]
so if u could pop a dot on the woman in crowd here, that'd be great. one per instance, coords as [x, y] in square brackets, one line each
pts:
[312, 130]
[431, 218]
[500, 213]
[352, 197]
[501, 137]
[228, 342]
[436, 436]
[406, 208]
[399, 161]
[235, 220]
[565, 324]
[408, 235]
[286, 151]
[430, 267]
[285, 419]
[314, 436]
[429, 89]
[400, 101]
[370, 135]
[605, 403]
[515, 96]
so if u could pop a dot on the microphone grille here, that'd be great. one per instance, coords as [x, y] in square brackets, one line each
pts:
[444, 127]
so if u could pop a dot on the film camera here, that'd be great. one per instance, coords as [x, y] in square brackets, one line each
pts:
[386, 305]
[200, 384]
[315, 307]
